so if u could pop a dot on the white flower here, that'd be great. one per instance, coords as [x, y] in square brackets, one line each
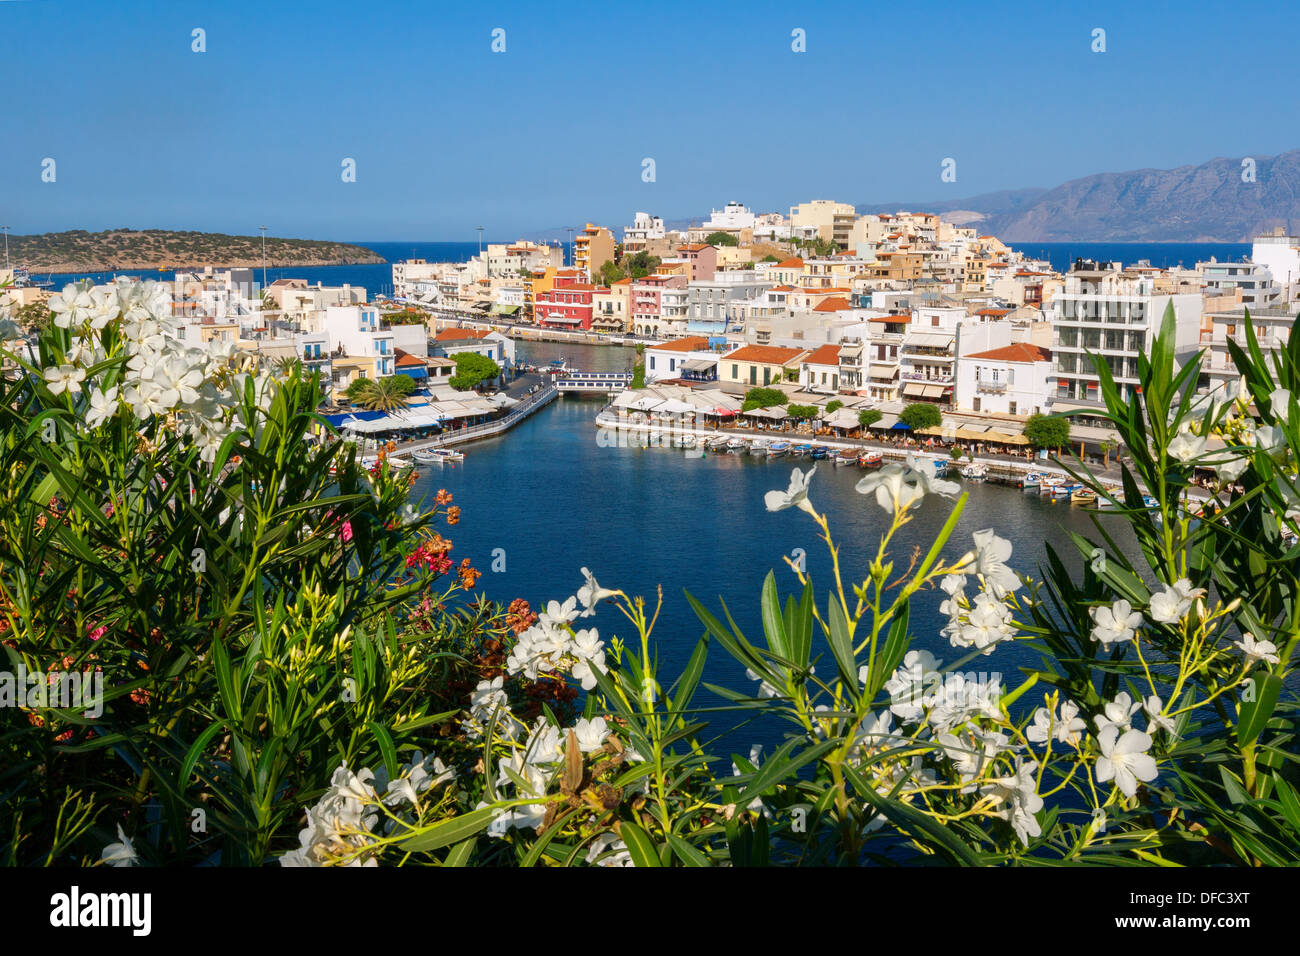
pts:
[1115, 624]
[103, 406]
[898, 487]
[1118, 713]
[796, 494]
[556, 614]
[121, 853]
[1065, 729]
[1125, 760]
[591, 734]
[1020, 799]
[1154, 709]
[906, 685]
[1257, 650]
[988, 560]
[1230, 468]
[1279, 403]
[1187, 446]
[589, 651]
[1172, 604]
[487, 697]
[63, 377]
[608, 843]
[765, 689]
[591, 594]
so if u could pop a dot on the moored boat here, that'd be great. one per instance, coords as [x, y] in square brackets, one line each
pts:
[736, 444]
[870, 459]
[819, 452]
[1030, 481]
[846, 456]
[716, 443]
[1084, 496]
[975, 472]
[758, 447]
[800, 451]
[777, 449]
[1064, 490]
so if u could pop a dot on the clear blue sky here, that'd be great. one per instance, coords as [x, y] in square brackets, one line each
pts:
[448, 135]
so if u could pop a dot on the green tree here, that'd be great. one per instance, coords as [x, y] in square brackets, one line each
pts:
[638, 375]
[764, 398]
[721, 239]
[610, 272]
[834, 405]
[1048, 431]
[33, 317]
[921, 415]
[472, 370]
[641, 265]
[868, 417]
[381, 394]
[802, 411]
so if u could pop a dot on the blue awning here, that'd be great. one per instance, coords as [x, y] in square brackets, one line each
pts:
[900, 427]
[414, 371]
[361, 416]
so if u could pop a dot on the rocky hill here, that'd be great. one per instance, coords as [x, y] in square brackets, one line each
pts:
[1206, 203]
[121, 249]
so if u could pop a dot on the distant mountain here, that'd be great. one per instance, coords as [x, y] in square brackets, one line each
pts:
[1206, 203]
[81, 251]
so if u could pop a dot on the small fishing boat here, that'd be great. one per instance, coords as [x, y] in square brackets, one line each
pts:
[870, 459]
[1065, 491]
[846, 456]
[716, 443]
[800, 451]
[426, 456]
[684, 441]
[736, 444]
[777, 449]
[819, 453]
[975, 472]
[1030, 481]
[1109, 504]
[940, 467]
[438, 456]
[1047, 485]
[758, 447]
[1083, 496]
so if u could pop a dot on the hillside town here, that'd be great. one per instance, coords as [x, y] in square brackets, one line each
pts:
[861, 311]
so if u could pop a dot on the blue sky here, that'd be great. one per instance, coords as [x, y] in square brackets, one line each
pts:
[448, 135]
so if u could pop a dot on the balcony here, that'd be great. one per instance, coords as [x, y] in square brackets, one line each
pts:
[922, 377]
[990, 385]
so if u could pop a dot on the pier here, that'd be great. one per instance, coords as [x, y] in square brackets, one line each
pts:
[457, 436]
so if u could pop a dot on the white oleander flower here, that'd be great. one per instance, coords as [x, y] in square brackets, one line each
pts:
[1115, 624]
[796, 495]
[1125, 760]
[1065, 729]
[1018, 795]
[1257, 650]
[988, 560]
[1118, 713]
[64, 378]
[1186, 446]
[589, 651]
[591, 734]
[591, 594]
[1154, 709]
[1172, 604]
[608, 850]
[103, 406]
[121, 853]
[898, 487]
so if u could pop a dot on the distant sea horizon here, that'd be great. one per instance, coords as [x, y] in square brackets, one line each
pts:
[377, 278]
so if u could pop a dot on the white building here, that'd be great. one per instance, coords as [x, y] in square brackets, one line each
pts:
[732, 218]
[1253, 279]
[644, 228]
[355, 330]
[1116, 314]
[1010, 380]
[1280, 255]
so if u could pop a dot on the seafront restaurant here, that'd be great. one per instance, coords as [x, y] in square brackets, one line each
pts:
[440, 413]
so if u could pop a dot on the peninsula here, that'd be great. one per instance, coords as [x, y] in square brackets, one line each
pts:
[121, 249]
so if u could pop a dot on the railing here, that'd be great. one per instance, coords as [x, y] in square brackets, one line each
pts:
[488, 429]
[989, 385]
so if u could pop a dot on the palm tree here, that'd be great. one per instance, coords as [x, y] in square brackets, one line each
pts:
[381, 395]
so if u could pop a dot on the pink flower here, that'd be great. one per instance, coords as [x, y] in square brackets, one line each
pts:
[97, 633]
[345, 532]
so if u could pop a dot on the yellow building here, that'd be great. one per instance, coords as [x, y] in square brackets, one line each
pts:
[753, 366]
[592, 248]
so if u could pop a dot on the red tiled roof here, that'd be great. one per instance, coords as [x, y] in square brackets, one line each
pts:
[765, 354]
[406, 360]
[835, 303]
[824, 355]
[795, 263]
[992, 311]
[692, 343]
[452, 335]
[1020, 352]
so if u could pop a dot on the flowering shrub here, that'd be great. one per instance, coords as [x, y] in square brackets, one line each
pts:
[294, 671]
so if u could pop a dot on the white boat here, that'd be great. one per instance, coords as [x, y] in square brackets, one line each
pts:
[438, 456]
[717, 443]
[736, 444]
[975, 472]
[758, 447]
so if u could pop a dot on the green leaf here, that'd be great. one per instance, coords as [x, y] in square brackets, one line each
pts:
[639, 845]
[1253, 715]
[454, 830]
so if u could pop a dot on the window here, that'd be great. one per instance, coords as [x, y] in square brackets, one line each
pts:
[735, 372]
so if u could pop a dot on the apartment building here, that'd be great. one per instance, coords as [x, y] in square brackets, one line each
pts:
[592, 248]
[1011, 380]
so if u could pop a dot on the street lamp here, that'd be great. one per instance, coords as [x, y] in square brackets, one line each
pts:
[263, 228]
[6, 229]
[480, 241]
[571, 250]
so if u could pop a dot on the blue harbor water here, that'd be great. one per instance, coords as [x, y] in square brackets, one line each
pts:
[553, 500]
[378, 279]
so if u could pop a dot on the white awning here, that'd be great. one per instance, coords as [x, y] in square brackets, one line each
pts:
[843, 418]
[929, 340]
[776, 414]
[915, 389]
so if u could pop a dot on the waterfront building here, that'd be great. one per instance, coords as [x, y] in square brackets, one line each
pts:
[1107, 310]
[658, 304]
[610, 307]
[1011, 380]
[513, 259]
[819, 370]
[592, 248]
[882, 356]
[713, 306]
[451, 342]
[753, 366]
[356, 334]
[567, 304]
[668, 360]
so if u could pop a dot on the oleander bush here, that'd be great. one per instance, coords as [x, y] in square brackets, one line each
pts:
[295, 671]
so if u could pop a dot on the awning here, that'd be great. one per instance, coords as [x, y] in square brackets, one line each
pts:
[843, 418]
[563, 319]
[915, 389]
[698, 365]
[929, 340]
[933, 391]
[886, 423]
[776, 414]
[1003, 438]
[498, 309]
[675, 407]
